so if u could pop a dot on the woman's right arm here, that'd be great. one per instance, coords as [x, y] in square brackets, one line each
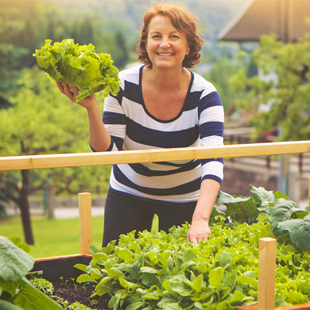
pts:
[99, 137]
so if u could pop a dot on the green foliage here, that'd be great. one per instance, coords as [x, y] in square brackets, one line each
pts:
[43, 285]
[288, 221]
[16, 292]
[10, 55]
[46, 117]
[284, 88]
[164, 271]
[220, 75]
[78, 306]
[80, 66]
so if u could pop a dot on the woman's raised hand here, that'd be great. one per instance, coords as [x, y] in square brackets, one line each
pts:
[87, 103]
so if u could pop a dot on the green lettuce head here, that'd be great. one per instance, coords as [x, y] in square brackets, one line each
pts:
[80, 66]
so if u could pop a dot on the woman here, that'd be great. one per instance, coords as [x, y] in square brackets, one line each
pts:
[161, 104]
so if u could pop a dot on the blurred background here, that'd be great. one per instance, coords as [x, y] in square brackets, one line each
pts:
[256, 53]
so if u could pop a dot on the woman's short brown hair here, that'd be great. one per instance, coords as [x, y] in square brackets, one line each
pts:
[183, 21]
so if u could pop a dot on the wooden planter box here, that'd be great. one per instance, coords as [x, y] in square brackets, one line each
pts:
[53, 268]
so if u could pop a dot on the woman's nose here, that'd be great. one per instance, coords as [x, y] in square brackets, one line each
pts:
[164, 43]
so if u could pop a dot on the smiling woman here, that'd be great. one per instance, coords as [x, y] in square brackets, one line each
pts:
[184, 23]
[165, 43]
[161, 104]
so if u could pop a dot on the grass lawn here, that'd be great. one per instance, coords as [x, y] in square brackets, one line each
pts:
[55, 237]
[52, 237]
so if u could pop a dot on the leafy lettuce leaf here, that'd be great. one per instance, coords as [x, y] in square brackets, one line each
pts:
[80, 66]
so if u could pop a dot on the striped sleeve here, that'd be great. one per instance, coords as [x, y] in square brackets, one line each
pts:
[114, 120]
[211, 129]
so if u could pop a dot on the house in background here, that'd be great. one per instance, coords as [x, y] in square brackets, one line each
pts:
[287, 20]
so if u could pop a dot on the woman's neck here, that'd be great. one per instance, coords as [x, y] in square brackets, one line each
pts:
[167, 79]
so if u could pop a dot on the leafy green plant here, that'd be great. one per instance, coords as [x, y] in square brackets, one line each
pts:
[43, 285]
[287, 219]
[80, 66]
[164, 271]
[78, 306]
[16, 291]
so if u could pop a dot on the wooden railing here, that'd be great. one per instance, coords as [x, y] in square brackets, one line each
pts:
[142, 156]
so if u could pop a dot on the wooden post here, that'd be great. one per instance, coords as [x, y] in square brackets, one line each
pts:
[85, 222]
[266, 276]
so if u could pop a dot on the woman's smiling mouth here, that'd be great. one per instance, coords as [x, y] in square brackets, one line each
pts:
[165, 54]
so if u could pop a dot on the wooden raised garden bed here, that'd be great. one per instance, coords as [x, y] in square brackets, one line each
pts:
[62, 266]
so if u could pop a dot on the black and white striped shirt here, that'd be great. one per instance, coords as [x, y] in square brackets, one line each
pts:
[132, 127]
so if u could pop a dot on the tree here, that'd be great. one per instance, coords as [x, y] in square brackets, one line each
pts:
[122, 55]
[220, 74]
[10, 55]
[43, 121]
[282, 100]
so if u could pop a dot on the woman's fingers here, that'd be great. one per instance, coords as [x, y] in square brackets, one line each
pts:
[73, 93]
[64, 88]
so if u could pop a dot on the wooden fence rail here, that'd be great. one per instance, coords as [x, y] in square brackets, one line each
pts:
[142, 156]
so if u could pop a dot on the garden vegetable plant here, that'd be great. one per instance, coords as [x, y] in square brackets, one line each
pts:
[80, 66]
[16, 291]
[164, 271]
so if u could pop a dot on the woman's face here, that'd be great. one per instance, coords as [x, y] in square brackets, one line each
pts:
[166, 46]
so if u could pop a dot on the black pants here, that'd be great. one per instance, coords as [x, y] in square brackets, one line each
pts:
[125, 213]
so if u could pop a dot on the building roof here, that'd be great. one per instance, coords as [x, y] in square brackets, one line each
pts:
[284, 18]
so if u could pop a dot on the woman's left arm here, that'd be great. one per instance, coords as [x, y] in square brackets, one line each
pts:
[199, 229]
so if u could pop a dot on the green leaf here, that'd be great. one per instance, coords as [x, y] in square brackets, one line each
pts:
[166, 305]
[215, 277]
[129, 286]
[148, 270]
[224, 259]
[262, 196]
[84, 278]
[93, 250]
[104, 286]
[238, 299]
[8, 286]
[298, 213]
[20, 243]
[199, 283]
[299, 231]
[230, 280]
[243, 211]
[14, 262]
[115, 300]
[95, 274]
[5, 305]
[181, 288]
[115, 273]
[79, 66]
[135, 306]
[281, 211]
[80, 267]
[225, 199]
[30, 297]
[248, 280]
[125, 254]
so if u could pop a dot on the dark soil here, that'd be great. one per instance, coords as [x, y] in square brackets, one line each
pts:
[72, 292]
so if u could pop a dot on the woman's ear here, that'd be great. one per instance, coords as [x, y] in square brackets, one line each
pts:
[187, 50]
